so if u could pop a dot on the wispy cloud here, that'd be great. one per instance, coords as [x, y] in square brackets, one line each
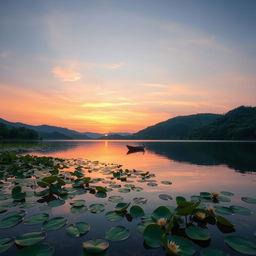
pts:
[106, 104]
[4, 54]
[66, 74]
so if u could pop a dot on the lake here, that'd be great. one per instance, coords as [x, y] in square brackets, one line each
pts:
[191, 167]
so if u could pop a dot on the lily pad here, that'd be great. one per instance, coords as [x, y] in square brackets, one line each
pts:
[166, 182]
[212, 252]
[29, 239]
[114, 216]
[101, 194]
[237, 209]
[78, 209]
[36, 250]
[120, 207]
[124, 190]
[153, 235]
[54, 223]
[241, 244]
[161, 212]
[205, 194]
[5, 244]
[117, 233]
[56, 203]
[115, 199]
[136, 211]
[223, 210]
[249, 200]
[78, 203]
[223, 199]
[227, 193]
[137, 189]
[185, 245]
[36, 219]
[152, 184]
[10, 221]
[165, 197]
[221, 220]
[140, 200]
[3, 209]
[197, 233]
[79, 229]
[96, 208]
[95, 246]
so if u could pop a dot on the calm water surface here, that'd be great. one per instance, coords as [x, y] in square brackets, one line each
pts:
[192, 167]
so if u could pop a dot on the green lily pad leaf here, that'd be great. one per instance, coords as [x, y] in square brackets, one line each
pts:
[124, 190]
[226, 193]
[36, 250]
[96, 246]
[101, 194]
[117, 233]
[115, 186]
[56, 203]
[20, 213]
[96, 208]
[249, 200]
[54, 223]
[79, 229]
[140, 200]
[197, 233]
[137, 189]
[153, 234]
[161, 212]
[205, 194]
[237, 209]
[76, 210]
[152, 184]
[223, 199]
[3, 209]
[177, 245]
[137, 212]
[29, 239]
[10, 221]
[36, 219]
[241, 244]
[223, 210]
[114, 216]
[17, 193]
[115, 199]
[166, 182]
[212, 252]
[120, 207]
[78, 203]
[224, 221]
[165, 197]
[5, 244]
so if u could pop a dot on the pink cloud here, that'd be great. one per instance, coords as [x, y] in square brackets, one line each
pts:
[66, 74]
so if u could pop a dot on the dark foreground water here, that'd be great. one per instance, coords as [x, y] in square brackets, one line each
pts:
[192, 167]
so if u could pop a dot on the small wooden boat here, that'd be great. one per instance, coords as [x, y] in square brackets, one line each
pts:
[135, 148]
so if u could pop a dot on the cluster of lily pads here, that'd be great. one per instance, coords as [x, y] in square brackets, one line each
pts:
[53, 181]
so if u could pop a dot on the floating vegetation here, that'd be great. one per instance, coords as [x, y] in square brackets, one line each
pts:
[78, 229]
[77, 185]
[117, 233]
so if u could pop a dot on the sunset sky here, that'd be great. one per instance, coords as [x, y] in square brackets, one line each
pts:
[112, 66]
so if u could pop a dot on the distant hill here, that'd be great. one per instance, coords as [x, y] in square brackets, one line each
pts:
[176, 128]
[17, 133]
[49, 132]
[237, 124]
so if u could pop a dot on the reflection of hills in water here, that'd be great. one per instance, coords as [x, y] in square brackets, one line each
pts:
[236, 155]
